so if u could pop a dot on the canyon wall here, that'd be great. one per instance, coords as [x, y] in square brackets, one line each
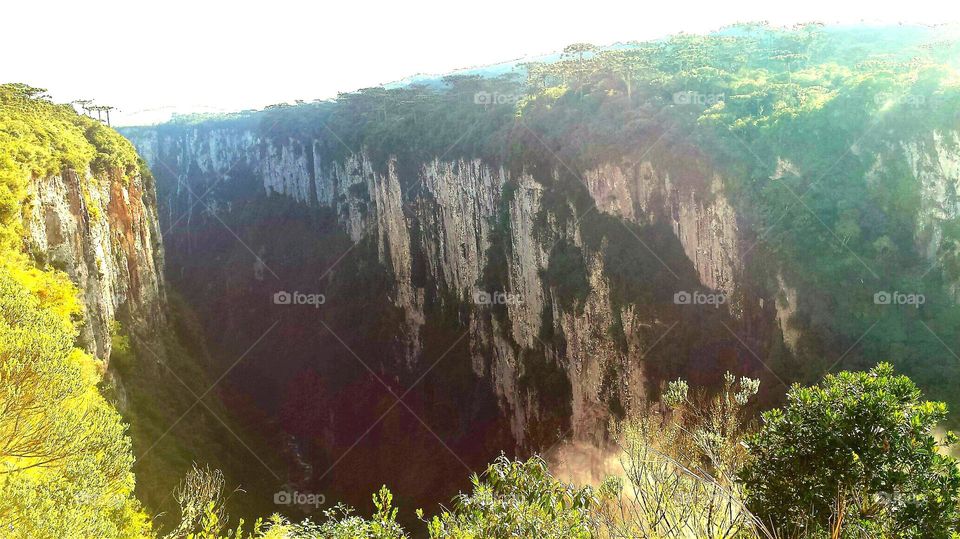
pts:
[444, 220]
[534, 302]
[103, 231]
[935, 163]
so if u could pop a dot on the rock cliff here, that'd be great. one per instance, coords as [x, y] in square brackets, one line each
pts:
[441, 224]
[103, 231]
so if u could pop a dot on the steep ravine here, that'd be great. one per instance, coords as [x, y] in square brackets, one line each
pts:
[406, 265]
[584, 323]
[587, 325]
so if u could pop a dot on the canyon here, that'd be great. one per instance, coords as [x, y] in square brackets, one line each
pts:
[518, 363]
[468, 306]
[718, 271]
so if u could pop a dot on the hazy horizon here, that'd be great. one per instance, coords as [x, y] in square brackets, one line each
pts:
[179, 63]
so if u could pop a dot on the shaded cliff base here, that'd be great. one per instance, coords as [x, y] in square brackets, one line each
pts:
[341, 422]
[157, 386]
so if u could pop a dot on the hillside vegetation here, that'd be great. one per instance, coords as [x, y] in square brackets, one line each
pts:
[852, 457]
[73, 468]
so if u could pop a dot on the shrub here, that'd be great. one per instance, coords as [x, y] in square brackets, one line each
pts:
[341, 523]
[518, 499]
[854, 455]
[203, 516]
[676, 478]
[201, 502]
[65, 460]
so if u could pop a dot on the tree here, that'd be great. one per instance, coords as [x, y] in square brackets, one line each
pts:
[855, 454]
[537, 75]
[518, 499]
[577, 65]
[629, 64]
[65, 461]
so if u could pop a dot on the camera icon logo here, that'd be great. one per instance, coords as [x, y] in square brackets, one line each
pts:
[882, 298]
[282, 298]
[483, 98]
[282, 498]
[481, 297]
[683, 98]
[682, 298]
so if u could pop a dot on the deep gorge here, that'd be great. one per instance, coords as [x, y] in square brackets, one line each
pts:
[400, 268]
[399, 285]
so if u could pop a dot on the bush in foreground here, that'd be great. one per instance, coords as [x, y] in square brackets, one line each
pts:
[65, 460]
[518, 499]
[679, 469]
[854, 456]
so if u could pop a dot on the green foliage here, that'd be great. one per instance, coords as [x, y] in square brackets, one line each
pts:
[414, 124]
[44, 137]
[715, 425]
[840, 106]
[857, 453]
[64, 457]
[820, 134]
[518, 499]
[121, 350]
[38, 137]
[341, 523]
[701, 469]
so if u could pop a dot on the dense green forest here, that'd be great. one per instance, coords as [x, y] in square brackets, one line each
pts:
[814, 130]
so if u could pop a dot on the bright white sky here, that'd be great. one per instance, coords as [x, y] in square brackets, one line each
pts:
[149, 58]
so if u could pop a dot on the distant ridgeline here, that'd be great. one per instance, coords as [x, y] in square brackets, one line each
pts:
[809, 174]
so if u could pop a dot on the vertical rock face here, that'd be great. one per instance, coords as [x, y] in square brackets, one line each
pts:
[104, 233]
[935, 163]
[696, 210]
[445, 218]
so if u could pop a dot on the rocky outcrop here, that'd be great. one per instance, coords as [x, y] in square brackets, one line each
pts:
[453, 206]
[103, 231]
[935, 163]
[695, 209]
